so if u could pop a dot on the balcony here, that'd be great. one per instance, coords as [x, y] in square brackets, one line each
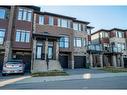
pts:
[117, 50]
[94, 48]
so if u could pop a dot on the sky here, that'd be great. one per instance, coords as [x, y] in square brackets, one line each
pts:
[100, 17]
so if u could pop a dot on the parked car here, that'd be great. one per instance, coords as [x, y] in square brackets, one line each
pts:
[14, 66]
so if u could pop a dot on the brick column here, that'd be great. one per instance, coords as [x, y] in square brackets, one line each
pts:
[122, 61]
[101, 60]
[57, 50]
[72, 61]
[114, 61]
[90, 60]
[33, 53]
[8, 48]
[46, 48]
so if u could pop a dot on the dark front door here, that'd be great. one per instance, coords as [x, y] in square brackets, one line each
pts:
[1, 61]
[79, 61]
[63, 61]
[125, 62]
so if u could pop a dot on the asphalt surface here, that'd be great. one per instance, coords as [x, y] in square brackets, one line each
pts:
[82, 71]
[101, 83]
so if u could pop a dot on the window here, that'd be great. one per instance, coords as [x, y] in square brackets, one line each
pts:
[2, 13]
[118, 47]
[88, 31]
[84, 28]
[22, 36]
[24, 14]
[17, 36]
[39, 51]
[79, 27]
[69, 24]
[51, 20]
[41, 20]
[27, 36]
[75, 26]
[78, 42]
[119, 34]
[2, 35]
[29, 14]
[103, 34]
[63, 23]
[85, 42]
[59, 22]
[64, 42]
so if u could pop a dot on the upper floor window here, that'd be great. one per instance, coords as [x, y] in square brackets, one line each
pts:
[51, 20]
[24, 14]
[85, 42]
[78, 27]
[2, 13]
[64, 41]
[2, 35]
[77, 42]
[75, 26]
[64, 23]
[59, 22]
[119, 34]
[103, 34]
[22, 36]
[41, 19]
[88, 31]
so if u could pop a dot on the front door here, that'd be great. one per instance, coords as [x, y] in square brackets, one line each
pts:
[50, 52]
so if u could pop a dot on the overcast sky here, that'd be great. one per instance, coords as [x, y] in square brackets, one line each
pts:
[105, 17]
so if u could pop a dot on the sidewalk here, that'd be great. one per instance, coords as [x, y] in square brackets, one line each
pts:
[71, 77]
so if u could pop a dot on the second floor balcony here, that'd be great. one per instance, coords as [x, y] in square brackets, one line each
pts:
[95, 48]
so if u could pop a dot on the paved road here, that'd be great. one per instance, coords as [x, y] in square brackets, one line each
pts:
[99, 83]
[82, 71]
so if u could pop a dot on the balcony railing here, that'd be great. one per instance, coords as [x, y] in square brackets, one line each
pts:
[117, 50]
[100, 48]
[94, 47]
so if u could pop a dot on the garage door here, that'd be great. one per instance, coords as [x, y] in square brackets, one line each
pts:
[79, 61]
[1, 61]
[125, 62]
[63, 61]
[27, 60]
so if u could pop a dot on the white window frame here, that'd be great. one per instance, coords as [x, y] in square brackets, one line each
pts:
[41, 19]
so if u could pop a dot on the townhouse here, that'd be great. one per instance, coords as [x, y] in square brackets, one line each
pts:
[108, 48]
[43, 40]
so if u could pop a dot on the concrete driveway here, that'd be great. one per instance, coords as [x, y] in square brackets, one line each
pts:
[83, 71]
[12, 76]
